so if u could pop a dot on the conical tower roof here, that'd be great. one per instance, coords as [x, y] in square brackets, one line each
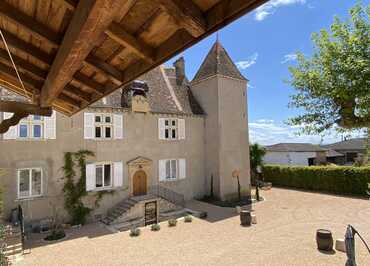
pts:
[218, 62]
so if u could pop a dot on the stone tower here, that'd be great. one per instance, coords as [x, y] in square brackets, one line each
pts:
[221, 91]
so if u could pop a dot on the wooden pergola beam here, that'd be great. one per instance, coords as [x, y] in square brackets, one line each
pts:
[27, 48]
[104, 68]
[29, 23]
[19, 107]
[24, 64]
[89, 21]
[77, 93]
[89, 82]
[187, 14]
[141, 49]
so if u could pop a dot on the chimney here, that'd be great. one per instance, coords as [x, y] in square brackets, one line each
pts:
[179, 65]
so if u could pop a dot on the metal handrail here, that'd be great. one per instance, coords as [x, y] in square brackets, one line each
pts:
[168, 194]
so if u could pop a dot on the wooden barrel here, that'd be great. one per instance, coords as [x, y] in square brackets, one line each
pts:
[324, 240]
[245, 218]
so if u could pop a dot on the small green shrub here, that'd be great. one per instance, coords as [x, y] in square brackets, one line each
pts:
[155, 227]
[337, 180]
[135, 232]
[188, 219]
[172, 222]
[55, 235]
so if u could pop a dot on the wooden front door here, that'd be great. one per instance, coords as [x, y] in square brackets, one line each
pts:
[139, 183]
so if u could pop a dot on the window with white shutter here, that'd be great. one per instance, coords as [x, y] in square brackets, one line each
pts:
[90, 177]
[161, 128]
[118, 126]
[181, 128]
[182, 168]
[118, 174]
[172, 169]
[171, 128]
[50, 126]
[89, 119]
[162, 170]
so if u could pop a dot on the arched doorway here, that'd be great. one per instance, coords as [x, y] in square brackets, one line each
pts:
[139, 183]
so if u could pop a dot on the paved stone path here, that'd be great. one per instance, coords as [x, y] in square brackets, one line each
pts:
[284, 235]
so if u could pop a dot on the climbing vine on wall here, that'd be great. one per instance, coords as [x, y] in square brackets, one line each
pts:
[74, 190]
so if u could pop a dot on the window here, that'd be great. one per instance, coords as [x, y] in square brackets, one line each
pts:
[103, 175]
[170, 130]
[171, 169]
[29, 182]
[103, 126]
[31, 127]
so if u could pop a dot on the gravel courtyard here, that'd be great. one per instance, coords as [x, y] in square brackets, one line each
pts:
[284, 235]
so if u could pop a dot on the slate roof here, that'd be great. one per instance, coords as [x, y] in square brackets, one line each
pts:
[295, 147]
[163, 96]
[351, 144]
[218, 62]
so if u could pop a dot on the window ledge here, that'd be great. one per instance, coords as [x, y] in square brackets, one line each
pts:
[30, 198]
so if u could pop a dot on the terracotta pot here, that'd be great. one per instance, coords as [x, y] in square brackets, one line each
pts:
[324, 240]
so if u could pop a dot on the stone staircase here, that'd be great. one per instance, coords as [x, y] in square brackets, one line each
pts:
[124, 207]
[13, 248]
[119, 210]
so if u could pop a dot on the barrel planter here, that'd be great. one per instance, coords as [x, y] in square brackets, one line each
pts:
[324, 240]
[245, 218]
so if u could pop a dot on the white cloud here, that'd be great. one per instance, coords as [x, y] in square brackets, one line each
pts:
[270, 7]
[247, 63]
[289, 58]
[267, 132]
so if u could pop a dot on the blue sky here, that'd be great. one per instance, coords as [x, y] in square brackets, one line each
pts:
[262, 44]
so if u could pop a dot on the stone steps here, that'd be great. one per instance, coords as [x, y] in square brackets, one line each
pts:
[14, 248]
[119, 210]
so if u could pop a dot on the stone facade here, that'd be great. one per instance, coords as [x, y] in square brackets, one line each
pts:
[214, 141]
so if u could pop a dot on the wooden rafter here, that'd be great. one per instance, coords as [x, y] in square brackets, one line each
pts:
[89, 82]
[29, 23]
[117, 33]
[104, 68]
[27, 48]
[89, 21]
[187, 14]
[24, 64]
[19, 107]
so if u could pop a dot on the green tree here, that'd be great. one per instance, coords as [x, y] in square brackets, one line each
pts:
[333, 86]
[256, 153]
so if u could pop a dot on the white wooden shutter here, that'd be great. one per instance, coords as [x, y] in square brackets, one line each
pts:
[50, 126]
[182, 168]
[12, 132]
[181, 128]
[118, 174]
[161, 128]
[117, 126]
[89, 121]
[90, 177]
[162, 170]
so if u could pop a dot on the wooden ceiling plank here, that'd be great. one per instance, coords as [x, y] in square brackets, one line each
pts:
[27, 48]
[76, 92]
[69, 100]
[89, 82]
[15, 107]
[187, 14]
[104, 68]
[9, 71]
[89, 21]
[70, 4]
[29, 23]
[141, 49]
[24, 64]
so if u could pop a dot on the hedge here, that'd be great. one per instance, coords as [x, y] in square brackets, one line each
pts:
[333, 179]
